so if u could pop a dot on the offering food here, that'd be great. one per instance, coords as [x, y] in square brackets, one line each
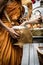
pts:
[25, 34]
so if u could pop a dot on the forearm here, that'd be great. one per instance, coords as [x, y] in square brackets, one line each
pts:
[10, 30]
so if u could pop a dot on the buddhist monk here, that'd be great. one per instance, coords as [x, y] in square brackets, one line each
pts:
[11, 55]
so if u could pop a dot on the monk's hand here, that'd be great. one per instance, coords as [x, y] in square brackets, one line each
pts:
[10, 30]
[14, 34]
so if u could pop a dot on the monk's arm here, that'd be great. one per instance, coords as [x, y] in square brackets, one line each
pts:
[10, 30]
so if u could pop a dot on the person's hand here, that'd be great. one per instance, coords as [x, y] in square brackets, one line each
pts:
[10, 30]
[13, 33]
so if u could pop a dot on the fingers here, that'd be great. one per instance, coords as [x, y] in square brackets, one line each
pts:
[14, 36]
[16, 33]
[13, 33]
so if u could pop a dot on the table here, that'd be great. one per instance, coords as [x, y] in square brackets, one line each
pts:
[30, 56]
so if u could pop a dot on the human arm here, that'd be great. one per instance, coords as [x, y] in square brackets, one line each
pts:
[10, 30]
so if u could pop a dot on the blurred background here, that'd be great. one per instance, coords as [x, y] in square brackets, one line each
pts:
[30, 54]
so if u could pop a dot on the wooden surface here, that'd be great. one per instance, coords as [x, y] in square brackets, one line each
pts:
[30, 56]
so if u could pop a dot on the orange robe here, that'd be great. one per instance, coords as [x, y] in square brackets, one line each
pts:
[10, 55]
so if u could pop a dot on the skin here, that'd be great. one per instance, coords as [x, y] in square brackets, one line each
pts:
[11, 31]
[28, 4]
[9, 55]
